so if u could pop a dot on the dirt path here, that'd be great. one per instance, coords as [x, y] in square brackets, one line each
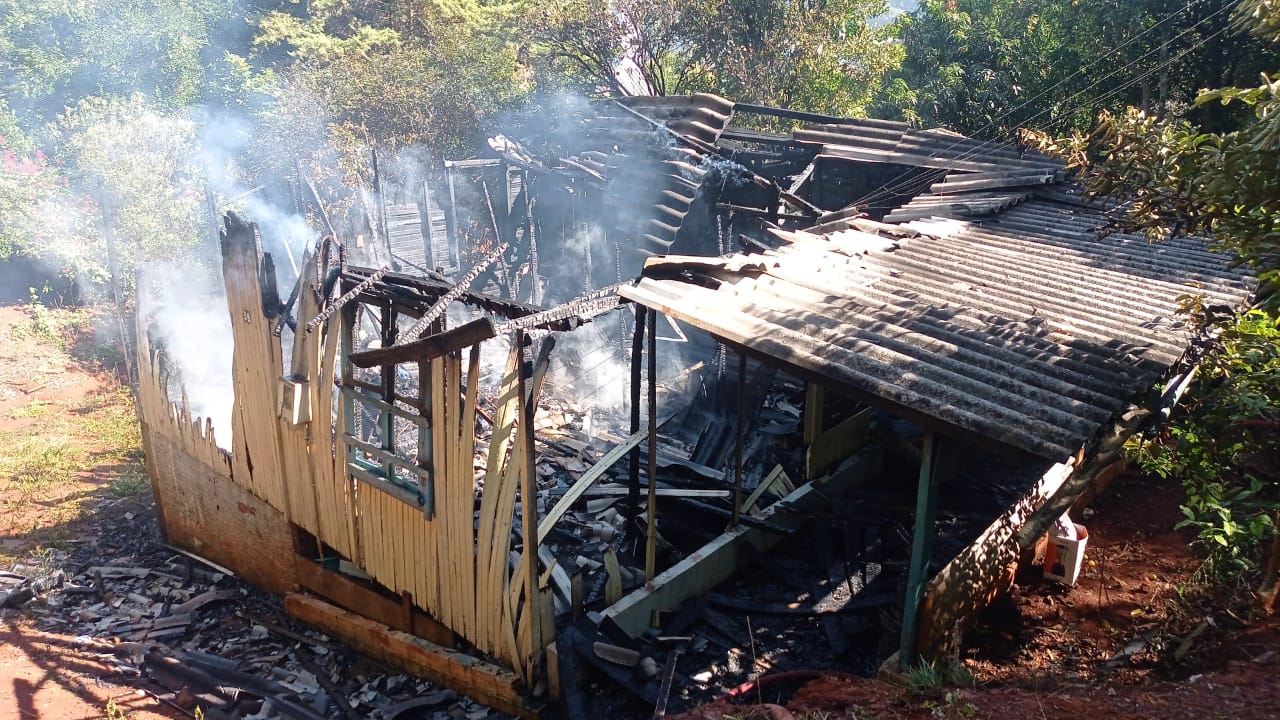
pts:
[69, 454]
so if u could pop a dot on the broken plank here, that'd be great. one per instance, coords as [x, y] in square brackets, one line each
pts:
[487, 683]
[346, 592]
[427, 348]
[589, 478]
[764, 485]
[718, 559]
[203, 599]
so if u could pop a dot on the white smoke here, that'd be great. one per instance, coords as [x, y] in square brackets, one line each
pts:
[187, 313]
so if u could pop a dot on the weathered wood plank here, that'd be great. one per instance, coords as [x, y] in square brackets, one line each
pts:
[497, 505]
[718, 559]
[212, 516]
[466, 479]
[486, 683]
[427, 348]
[368, 602]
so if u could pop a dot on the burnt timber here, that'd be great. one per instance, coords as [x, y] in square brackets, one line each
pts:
[885, 277]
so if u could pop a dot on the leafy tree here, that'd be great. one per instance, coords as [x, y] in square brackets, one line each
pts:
[825, 56]
[429, 72]
[987, 67]
[54, 52]
[121, 159]
[1175, 178]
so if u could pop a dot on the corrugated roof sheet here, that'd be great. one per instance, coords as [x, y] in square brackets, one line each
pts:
[1029, 327]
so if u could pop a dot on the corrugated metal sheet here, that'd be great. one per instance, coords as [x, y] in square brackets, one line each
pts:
[1028, 327]
[646, 167]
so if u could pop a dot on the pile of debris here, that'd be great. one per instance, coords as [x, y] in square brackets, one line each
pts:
[190, 634]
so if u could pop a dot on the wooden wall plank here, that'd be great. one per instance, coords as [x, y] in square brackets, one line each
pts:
[487, 683]
[492, 538]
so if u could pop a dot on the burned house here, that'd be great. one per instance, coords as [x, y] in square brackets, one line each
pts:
[899, 354]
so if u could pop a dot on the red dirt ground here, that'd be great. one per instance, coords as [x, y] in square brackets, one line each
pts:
[43, 675]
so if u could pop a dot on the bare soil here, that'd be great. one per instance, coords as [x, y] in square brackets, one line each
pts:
[51, 378]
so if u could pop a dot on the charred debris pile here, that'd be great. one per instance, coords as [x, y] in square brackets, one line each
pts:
[549, 227]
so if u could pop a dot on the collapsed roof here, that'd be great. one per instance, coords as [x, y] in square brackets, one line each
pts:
[963, 283]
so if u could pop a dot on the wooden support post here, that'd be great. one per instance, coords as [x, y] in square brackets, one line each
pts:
[389, 332]
[346, 344]
[529, 517]
[633, 469]
[740, 437]
[651, 514]
[425, 447]
[921, 547]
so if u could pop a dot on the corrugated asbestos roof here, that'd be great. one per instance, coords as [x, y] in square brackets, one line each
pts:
[1029, 326]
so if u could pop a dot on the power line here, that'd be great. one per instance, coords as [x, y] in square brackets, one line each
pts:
[900, 183]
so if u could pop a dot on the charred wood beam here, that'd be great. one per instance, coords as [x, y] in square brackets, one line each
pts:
[633, 462]
[413, 292]
[749, 520]
[346, 298]
[651, 528]
[457, 291]
[574, 312]
[427, 348]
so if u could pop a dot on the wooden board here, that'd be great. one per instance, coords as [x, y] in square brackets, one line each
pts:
[719, 559]
[482, 681]
[208, 514]
[967, 582]
[354, 595]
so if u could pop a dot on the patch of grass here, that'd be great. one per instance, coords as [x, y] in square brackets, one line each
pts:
[33, 462]
[53, 326]
[130, 483]
[110, 420]
[35, 408]
[929, 678]
[924, 679]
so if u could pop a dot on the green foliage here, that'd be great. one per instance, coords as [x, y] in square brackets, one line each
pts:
[825, 57]
[952, 706]
[434, 73]
[988, 67]
[53, 53]
[1226, 450]
[132, 482]
[929, 678]
[32, 463]
[1172, 177]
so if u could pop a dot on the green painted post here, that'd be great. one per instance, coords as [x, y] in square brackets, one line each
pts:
[921, 548]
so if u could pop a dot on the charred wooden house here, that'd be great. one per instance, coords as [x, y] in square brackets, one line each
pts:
[866, 363]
